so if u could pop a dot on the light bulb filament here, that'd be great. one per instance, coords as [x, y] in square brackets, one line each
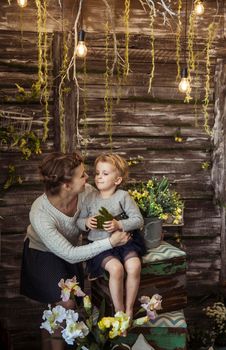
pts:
[22, 3]
[81, 49]
[199, 8]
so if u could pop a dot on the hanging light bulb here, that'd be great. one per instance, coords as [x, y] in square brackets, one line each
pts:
[199, 7]
[184, 84]
[22, 3]
[81, 49]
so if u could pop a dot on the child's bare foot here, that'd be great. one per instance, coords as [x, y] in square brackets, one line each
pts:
[129, 313]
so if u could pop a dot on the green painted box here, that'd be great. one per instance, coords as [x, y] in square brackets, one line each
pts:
[167, 332]
[163, 272]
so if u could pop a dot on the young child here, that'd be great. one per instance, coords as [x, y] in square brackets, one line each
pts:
[110, 171]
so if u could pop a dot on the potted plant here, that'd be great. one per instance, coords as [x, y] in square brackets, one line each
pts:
[217, 314]
[158, 203]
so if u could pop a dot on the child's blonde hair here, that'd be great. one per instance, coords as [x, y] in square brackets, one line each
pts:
[117, 161]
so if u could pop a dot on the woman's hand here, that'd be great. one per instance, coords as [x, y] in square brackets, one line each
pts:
[119, 238]
[91, 222]
[111, 226]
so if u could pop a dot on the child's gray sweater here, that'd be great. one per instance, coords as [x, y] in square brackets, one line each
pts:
[120, 201]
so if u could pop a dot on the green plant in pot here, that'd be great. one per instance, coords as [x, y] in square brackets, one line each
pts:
[158, 203]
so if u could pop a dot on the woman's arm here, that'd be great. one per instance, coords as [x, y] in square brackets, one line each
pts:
[56, 243]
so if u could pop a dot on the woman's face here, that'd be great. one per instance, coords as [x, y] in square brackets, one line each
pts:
[78, 181]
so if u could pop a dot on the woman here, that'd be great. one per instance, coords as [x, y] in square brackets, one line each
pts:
[50, 247]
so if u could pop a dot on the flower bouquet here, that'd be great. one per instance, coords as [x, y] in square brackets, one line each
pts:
[156, 199]
[87, 328]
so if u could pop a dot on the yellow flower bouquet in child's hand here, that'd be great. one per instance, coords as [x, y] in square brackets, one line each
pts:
[87, 327]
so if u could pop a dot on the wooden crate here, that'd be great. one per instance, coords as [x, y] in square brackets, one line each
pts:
[167, 332]
[163, 272]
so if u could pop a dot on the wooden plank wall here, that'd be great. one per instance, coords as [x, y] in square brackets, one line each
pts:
[143, 124]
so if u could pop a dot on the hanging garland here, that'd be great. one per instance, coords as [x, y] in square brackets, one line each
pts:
[178, 39]
[152, 37]
[211, 35]
[126, 21]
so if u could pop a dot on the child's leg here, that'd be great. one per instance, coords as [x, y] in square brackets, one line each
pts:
[133, 269]
[116, 272]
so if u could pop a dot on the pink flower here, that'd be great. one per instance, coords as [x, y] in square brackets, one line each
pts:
[70, 286]
[151, 304]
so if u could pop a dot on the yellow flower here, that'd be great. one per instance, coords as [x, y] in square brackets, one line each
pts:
[164, 216]
[178, 139]
[87, 302]
[105, 322]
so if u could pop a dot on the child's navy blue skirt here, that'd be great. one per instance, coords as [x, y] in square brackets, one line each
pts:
[136, 244]
[41, 273]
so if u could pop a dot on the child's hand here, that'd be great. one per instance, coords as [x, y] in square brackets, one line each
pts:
[111, 226]
[91, 222]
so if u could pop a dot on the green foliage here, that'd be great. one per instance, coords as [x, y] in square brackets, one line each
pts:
[27, 143]
[12, 178]
[104, 216]
[28, 96]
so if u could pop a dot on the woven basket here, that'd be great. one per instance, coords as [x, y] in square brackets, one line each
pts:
[20, 122]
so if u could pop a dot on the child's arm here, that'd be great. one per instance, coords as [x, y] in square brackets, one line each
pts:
[134, 221]
[85, 222]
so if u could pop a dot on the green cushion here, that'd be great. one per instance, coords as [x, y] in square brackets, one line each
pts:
[164, 251]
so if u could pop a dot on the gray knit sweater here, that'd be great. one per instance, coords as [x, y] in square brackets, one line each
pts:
[53, 231]
[114, 204]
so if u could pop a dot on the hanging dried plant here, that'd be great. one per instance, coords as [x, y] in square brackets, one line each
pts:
[191, 35]
[41, 85]
[62, 91]
[211, 35]
[85, 140]
[178, 39]
[152, 37]
[126, 22]
[107, 96]
[119, 77]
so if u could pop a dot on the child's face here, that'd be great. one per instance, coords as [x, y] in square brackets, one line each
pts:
[106, 177]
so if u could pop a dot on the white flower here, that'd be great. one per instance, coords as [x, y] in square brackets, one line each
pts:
[53, 318]
[74, 330]
[71, 315]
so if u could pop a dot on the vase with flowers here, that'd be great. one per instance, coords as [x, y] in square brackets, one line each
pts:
[158, 204]
[87, 328]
